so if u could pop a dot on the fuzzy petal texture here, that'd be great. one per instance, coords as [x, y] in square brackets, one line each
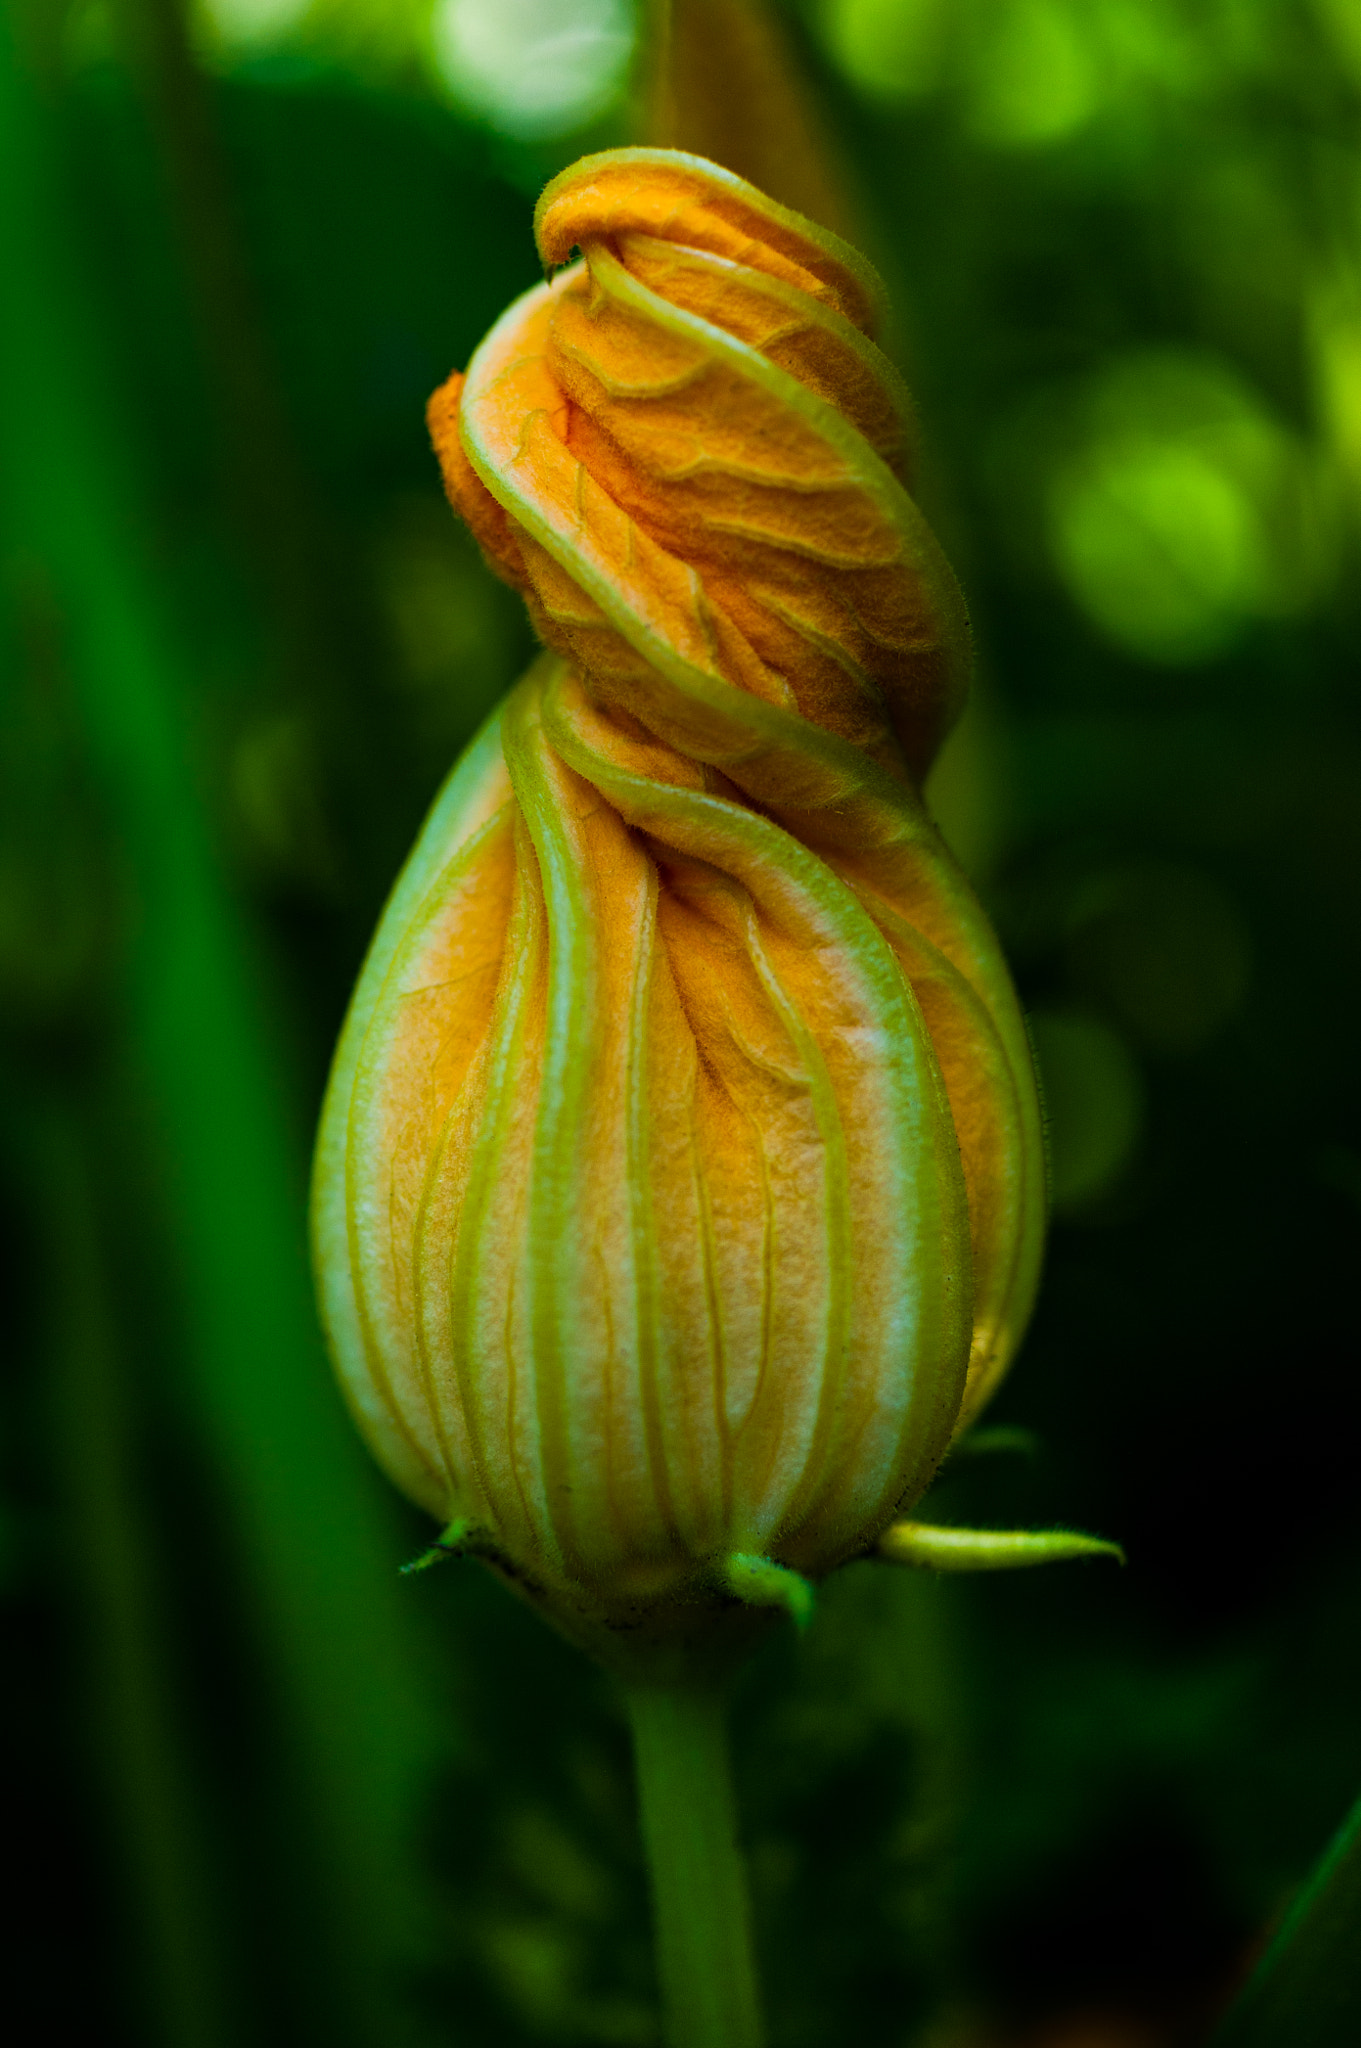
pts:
[680, 1184]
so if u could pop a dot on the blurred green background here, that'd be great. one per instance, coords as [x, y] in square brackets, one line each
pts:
[264, 1790]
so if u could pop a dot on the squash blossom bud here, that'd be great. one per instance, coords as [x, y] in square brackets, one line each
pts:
[680, 1186]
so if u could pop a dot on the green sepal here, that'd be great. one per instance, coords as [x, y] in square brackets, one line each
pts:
[987, 1550]
[760, 1582]
[462, 1538]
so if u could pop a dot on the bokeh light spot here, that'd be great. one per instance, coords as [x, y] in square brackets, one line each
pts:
[454, 632]
[1342, 21]
[533, 68]
[1167, 949]
[1158, 545]
[1184, 509]
[246, 24]
[1094, 1105]
[968, 787]
[1035, 77]
[893, 49]
[1335, 337]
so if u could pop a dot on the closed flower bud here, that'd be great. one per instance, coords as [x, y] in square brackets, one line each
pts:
[679, 1193]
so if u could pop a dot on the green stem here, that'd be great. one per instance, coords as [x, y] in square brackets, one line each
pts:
[699, 1881]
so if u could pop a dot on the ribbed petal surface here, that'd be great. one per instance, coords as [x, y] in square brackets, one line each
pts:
[680, 1186]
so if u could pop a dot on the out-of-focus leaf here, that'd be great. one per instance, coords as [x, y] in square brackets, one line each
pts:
[1306, 1991]
[312, 1548]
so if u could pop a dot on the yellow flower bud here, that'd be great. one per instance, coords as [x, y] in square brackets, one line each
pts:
[679, 1192]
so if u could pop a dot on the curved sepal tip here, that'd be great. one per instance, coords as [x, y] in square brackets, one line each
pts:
[462, 1538]
[988, 1550]
[760, 1582]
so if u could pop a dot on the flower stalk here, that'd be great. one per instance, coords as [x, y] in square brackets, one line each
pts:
[699, 1883]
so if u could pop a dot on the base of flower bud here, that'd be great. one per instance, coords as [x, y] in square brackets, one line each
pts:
[987, 1550]
[694, 1632]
